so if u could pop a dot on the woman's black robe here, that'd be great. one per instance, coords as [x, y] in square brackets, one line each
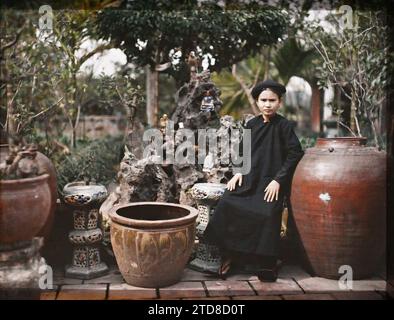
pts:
[243, 220]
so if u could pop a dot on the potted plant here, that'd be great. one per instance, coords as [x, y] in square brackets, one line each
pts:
[24, 76]
[25, 198]
[338, 193]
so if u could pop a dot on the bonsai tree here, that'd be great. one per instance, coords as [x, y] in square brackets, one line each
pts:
[25, 74]
[355, 60]
[175, 38]
[71, 30]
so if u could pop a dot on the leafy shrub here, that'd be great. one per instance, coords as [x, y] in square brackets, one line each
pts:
[93, 161]
[308, 142]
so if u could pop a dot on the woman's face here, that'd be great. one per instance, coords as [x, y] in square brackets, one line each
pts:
[268, 103]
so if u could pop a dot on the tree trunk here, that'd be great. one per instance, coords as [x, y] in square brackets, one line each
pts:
[353, 112]
[11, 128]
[74, 123]
[316, 107]
[245, 88]
[267, 59]
[152, 96]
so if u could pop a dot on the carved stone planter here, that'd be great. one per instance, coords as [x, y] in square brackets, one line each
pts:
[86, 237]
[21, 267]
[207, 196]
[152, 241]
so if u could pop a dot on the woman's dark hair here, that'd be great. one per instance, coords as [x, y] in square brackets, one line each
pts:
[278, 92]
[274, 86]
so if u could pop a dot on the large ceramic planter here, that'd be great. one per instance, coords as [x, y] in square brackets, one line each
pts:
[44, 166]
[152, 241]
[25, 205]
[338, 199]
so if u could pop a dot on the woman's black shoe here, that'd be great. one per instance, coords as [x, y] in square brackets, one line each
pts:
[268, 275]
[224, 268]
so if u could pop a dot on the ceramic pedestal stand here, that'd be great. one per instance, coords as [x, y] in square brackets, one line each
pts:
[86, 237]
[207, 257]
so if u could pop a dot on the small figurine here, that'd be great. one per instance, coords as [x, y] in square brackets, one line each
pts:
[209, 163]
[207, 103]
[193, 61]
[163, 122]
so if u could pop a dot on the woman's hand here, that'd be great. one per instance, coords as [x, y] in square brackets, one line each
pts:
[272, 191]
[233, 182]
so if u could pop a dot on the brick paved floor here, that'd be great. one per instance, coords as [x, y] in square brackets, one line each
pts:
[293, 284]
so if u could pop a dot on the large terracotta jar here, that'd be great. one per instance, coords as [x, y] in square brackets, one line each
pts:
[338, 199]
[44, 166]
[25, 205]
[152, 241]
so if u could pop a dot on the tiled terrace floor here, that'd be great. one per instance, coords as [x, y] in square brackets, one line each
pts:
[293, 284]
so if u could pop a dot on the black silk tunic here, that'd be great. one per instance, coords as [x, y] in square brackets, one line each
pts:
[243, 220]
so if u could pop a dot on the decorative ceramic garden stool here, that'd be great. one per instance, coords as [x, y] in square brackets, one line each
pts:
[207, 257]
[86, 237]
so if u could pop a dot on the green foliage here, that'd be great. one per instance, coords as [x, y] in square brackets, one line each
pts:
[235, 101]
[308, 141]
[92, 160]
[228, 36]
[355, 59]
[26, 74]
[113, 95]
[286, 59]
[291, 59]
[40, 63]
[42, 88]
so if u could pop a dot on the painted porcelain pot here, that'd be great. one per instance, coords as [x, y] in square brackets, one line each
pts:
[80, 194]
[152, 241]
[339, 206]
